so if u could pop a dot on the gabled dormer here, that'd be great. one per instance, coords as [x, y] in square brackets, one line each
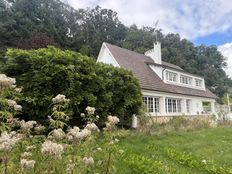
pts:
[172, 74]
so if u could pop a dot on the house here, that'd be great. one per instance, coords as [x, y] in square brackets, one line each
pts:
[167, 89]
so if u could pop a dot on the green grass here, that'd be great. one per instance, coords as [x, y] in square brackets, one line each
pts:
[213, 145]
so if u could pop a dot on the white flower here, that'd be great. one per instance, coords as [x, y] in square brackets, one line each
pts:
[204, 161]
[111, 122]
[77, 135]
[90, 110]
[99, 149]
[27, 125]
[88, 161]
[6, 82]
[70, 167]
[18, 107]
[27, 164]
[116, 140]
[60, 99]
[8, 140]
[92, 127]
[26, 154]
[57, 134]
[18, 89]
[11, 103]
[39, 129]
[30, 147]
[52, 149]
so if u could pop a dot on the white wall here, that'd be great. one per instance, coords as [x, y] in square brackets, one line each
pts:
[196, 106]
[106, 57]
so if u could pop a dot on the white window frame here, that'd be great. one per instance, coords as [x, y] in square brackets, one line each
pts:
[198, 82]
[188, 105]
[152, 104]
[171, 76]
[185, 79]
[173, 105]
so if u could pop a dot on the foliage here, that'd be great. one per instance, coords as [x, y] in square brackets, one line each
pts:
[45, 73]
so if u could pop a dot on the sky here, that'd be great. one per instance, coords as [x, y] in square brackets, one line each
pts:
[206, 22]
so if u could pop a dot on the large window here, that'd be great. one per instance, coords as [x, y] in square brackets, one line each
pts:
[198, 82]
[151, 103]
[173, 105]
[186, 80]
[170, 76]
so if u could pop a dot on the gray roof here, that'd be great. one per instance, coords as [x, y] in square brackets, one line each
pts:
[138, 64]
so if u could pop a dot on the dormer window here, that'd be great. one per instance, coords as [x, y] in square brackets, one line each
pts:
[185, 80]
[171, 76]
[198, 82]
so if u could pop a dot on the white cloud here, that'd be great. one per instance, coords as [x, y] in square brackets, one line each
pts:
[226, 50]
[189, 18]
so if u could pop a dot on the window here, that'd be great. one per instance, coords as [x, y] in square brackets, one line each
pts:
[188, 106]
[198, 82]
[186, 80]
[173, 105]
[152, 104]
[170, 76]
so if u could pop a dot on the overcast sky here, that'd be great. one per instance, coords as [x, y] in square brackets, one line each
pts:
[202, 21]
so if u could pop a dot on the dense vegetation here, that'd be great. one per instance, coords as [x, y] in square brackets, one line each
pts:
[37, 23]
[47, 72]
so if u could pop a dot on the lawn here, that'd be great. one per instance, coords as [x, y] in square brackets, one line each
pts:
[203, 151]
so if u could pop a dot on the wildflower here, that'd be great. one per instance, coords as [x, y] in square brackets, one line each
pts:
[204, 161]
[99, 149]
[26, 154]
[82, 114]
[6, 82]
[116, 140]
[60, 99]
[77, 135]
[27, 164]
[25, 126]
[88, 161]
[111, 122]
[70, 166]
[52, 149]
[18, 89]
[90, 110]
[8, 140]
[30, 147]
[97, 117]
[57, 134]
[17, 107]
[39, 129]
[92, 127]
[11, 103]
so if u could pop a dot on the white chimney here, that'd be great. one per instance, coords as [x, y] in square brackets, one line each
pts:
[155, 53]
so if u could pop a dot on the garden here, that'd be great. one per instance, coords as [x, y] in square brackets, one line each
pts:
[61, 112]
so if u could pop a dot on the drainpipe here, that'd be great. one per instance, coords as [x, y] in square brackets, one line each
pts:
[163, 73]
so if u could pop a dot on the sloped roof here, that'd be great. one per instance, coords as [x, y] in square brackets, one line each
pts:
[138, 64]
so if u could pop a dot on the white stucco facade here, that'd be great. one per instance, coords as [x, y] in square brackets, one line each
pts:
[160, 103]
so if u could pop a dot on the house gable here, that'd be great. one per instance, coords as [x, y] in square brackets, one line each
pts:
[106, 56]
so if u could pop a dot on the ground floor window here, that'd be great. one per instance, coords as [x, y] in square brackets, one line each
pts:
[151, 104]
[172, 105]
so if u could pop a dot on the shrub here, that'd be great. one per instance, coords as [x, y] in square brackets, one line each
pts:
[47, 72]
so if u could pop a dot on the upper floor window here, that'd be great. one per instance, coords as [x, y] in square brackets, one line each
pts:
[186, 80]
[198, 82]
[151, 103]
[170, 76]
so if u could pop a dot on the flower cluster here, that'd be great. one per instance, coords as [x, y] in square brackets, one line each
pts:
[60, 99]
[52, 149]
[8, 140]
[111, 122]
[39, 129]
[6, 82]
[88, 161]
[92, 127]
[57, 134]
[27, 126]
[27, 164]
[14, 104]
[76, 135]
[70, 167]
[90, 110]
